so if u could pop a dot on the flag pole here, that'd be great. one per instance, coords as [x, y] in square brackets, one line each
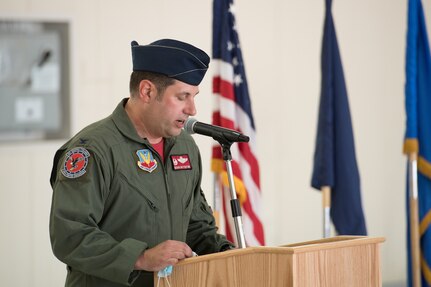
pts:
[326, 200]
[414, 220]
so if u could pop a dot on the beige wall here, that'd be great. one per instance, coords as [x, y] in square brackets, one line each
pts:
[281, 43]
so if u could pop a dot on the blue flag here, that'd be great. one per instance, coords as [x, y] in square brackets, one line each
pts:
[334, 158]
[418, 128]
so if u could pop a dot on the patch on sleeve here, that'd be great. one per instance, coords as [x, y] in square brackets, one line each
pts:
[75, 162]
[181, 162]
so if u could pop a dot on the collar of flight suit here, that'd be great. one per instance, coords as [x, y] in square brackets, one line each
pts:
[125, 126]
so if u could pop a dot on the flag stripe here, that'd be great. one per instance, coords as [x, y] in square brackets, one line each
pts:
[246, 161]
[250, 222]
[257, 226]
[250, 148]
[223, 88]
[228, 109]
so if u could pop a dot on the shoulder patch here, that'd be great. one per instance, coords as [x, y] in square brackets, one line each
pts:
[75, 162]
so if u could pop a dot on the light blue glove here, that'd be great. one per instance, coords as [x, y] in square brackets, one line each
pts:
[168, 269]
[165, 272]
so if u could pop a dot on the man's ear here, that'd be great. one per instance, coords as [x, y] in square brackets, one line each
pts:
[146, 90]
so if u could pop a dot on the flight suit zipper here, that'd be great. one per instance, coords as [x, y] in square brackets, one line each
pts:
[168, 194]
[168, 147]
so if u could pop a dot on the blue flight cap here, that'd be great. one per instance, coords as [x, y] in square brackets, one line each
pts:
[172, 58]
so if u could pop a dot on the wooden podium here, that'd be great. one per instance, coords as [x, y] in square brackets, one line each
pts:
[342, 261]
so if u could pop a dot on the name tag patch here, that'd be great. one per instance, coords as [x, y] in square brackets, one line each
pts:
[181, 162]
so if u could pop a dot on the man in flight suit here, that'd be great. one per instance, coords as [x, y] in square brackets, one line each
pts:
[126, 198]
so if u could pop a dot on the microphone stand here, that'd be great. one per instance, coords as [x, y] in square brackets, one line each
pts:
[234, 202]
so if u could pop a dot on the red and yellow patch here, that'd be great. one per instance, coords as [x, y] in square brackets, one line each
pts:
[75, 162]
[146, 160]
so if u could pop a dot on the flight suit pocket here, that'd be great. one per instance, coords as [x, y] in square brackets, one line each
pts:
[134, 209]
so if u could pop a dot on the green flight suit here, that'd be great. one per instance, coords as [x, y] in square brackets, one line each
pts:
[106, 214]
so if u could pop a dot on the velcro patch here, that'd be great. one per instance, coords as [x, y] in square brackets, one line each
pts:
[181, 162]
[75, 162]
[146, 160]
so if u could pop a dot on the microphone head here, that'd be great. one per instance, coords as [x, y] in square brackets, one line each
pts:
[188, 126]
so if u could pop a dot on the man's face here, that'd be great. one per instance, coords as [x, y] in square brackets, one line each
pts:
[171, 110]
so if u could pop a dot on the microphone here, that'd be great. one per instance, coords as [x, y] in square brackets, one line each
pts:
[217, 133]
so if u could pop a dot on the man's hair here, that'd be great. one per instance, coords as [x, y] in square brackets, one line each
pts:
[160, 81]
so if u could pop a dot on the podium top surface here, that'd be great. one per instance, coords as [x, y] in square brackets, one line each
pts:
[308, 246]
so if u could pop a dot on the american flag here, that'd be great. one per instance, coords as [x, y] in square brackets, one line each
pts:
[232, 109]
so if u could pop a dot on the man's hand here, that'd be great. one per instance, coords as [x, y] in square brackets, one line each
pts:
[166, 253]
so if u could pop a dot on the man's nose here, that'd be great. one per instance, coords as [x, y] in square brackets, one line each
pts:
[190, 109]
